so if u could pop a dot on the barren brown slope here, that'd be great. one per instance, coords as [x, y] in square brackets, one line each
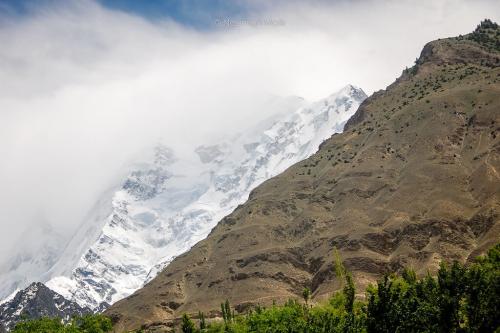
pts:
[412, 181]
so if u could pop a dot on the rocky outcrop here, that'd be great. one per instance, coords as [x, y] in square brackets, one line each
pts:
[37, 301]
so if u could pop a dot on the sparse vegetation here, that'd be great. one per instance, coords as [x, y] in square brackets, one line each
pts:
[486, 34]
[459, 299]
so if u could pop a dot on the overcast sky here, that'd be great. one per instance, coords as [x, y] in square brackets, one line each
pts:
[85, 84]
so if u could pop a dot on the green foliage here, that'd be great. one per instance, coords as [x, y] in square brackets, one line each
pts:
[349, 293]
[486, 34]
[187, 324]
[93, 324]
[287, 318]
[306, 294]
[459, 299]
[487, 24]
[203, 324]
[452, 283]
[392, 307]
[482, 304]
[86, 324]
[48, 325]
[338, 265]
[227, 315]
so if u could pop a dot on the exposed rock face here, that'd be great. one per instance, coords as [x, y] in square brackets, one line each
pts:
[37, 301]
[413, 180]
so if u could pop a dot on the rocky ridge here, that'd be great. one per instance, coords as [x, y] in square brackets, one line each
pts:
[38, 301]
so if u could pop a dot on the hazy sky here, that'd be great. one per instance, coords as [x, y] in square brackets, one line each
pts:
[85, 84]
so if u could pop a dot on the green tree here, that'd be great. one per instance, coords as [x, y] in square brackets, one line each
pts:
[306, 294]
[452, 285]
[92, 324]
[46, 325]
[349, 292]
[338, 266]
[227, 315]
[203, 325]
[290, 317]
[187, 325]
[483, 292]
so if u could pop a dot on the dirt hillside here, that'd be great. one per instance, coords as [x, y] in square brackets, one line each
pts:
[413, 180]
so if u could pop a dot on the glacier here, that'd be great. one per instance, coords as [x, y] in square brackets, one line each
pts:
[170, 200]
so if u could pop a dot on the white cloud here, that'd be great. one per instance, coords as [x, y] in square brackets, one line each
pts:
[83, 87]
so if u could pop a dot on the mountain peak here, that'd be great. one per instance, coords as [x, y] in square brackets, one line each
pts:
[37, 301]
[352, 89]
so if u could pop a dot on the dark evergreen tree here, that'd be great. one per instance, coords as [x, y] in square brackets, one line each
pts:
[452, 285]
[483, 293]
[202, 321]
[187, 324]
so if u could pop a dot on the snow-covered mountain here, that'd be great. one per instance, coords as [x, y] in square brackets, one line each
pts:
[37, 301]
[171, 200]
